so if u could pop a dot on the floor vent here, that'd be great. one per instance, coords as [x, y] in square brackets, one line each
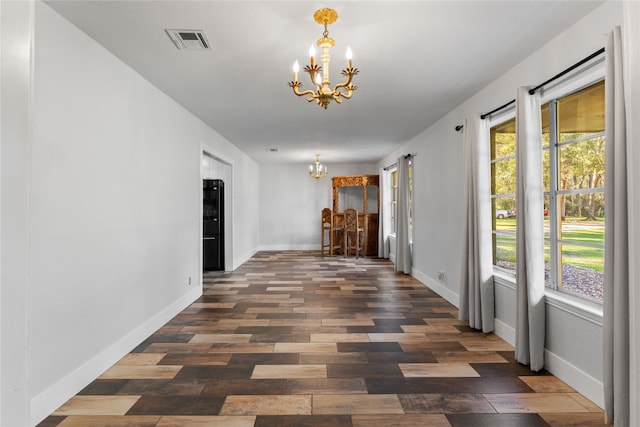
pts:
[189, 39]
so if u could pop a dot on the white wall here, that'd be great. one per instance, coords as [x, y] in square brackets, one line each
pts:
[16, 31]
[574, 341]
[101, 210]
[291, 203]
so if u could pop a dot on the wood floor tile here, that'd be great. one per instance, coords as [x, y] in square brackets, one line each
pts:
[244, 387]
[267, 405]
[143, 359]
[177, 405]
[357, 404]
[589, 405]
[206, 421]
[162, 387]
[334, 358]
[496, 420]
[447, 404]
[370, 370]
[242, 348]
[289, 371]
[404, 337]
[303, 420]
[103, 387]
[326, 386]
[97, 405]
[347, 322]
[191, 359]
[468, 356]
[292, 338]
[111, 421]
[220, 338]
[141, 372]
[417, 370]
[546, 384]
[339, 338]
[575, 420]
[407, 420]
[534, 402]
[305, 348]
[446, 385]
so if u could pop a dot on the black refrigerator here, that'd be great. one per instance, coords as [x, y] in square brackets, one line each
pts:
[213, 224]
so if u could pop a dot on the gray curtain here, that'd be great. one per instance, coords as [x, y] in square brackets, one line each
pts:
[616, 254]
[530, 306]
[383, 221]
[476, 285]
[403, 244]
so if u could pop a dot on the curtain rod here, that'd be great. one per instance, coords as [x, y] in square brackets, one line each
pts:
[406, 156]
[532, 91]
[568, 70]
[502, 107]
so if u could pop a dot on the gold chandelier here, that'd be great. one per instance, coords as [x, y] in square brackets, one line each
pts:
[320, 74]
[319, 170]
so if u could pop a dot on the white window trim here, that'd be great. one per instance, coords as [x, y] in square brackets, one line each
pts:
[577, 306]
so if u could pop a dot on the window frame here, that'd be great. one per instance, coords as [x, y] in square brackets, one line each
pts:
[555, 240]
[500, 119]
[393, 205]
[588, 309]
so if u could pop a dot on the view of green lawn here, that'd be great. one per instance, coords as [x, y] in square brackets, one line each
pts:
[575, 230]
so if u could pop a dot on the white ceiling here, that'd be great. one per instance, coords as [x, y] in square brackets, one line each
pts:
[417, 61]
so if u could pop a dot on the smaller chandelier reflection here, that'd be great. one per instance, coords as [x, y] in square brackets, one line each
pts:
[318, 171]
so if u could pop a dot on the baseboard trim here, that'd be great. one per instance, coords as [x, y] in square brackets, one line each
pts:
[437, 287]
[505, 332]
[49, 400]
[315, 247]
[581, 381]
[244, 258]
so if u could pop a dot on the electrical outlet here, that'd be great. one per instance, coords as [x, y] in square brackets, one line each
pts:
[314, 238]
[441, 275]
[189, 280]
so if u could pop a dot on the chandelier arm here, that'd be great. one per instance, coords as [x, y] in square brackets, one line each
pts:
[347, 95]
[349, 72]
[303, 93]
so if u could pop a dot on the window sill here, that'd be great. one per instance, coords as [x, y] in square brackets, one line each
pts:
[587, 310]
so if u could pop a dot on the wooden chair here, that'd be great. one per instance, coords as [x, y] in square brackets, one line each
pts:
[332, 233]
[353, 236]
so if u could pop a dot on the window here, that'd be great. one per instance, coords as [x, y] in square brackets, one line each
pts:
[573, 177]
[394, 200]
[573, 146]
[503, 194]
[410, 172]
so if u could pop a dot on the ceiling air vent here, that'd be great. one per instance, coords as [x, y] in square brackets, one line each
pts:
[189, 39]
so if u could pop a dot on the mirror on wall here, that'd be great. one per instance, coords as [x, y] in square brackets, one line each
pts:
[372, 199]
[350, 198]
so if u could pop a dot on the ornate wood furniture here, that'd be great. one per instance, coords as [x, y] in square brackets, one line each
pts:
[362, 193]
[353, 233]
[334, 234]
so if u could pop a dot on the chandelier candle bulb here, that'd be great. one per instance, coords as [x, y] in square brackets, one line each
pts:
[349, 56]
[312, 55]
[296, 68]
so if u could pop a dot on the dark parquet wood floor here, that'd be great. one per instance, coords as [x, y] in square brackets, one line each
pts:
[295, 339]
